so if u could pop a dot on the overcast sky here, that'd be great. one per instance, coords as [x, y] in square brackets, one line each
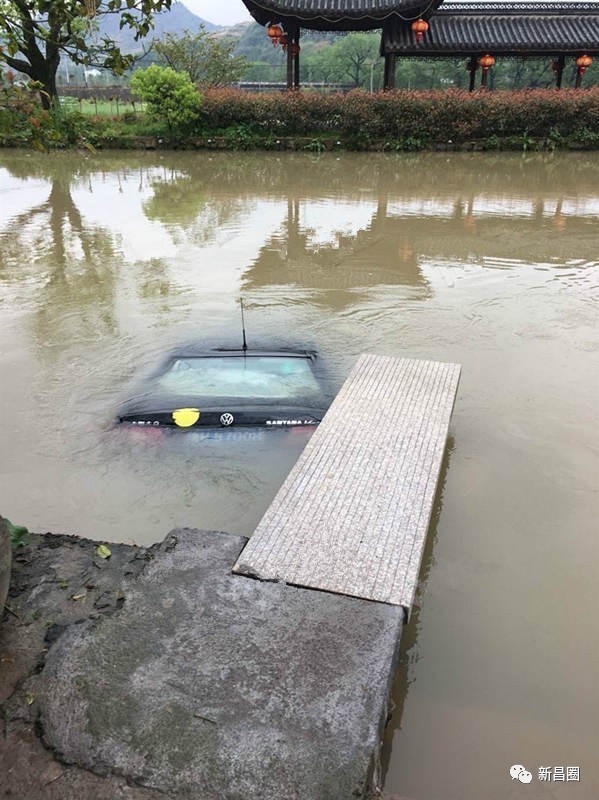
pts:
[221, 12]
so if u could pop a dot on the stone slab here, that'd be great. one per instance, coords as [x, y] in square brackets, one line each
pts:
[353, 515]
[208, 685]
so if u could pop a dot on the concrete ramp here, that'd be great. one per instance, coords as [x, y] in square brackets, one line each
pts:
[353, 514]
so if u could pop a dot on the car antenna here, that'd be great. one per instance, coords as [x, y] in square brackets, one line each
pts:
[245, 344]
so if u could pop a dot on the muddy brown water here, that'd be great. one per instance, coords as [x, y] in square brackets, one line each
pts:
[107, 261]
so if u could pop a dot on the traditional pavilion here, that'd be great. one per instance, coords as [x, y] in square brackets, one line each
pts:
[479, 31]
[284, 20]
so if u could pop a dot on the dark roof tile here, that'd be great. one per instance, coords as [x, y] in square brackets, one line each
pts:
[501, 28]
[339, 14]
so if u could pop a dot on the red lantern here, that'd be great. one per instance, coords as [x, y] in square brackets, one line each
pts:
[420, 27]
[283, 41]
[486, 62]
[583, 63]
[295, 49]
[275, 33]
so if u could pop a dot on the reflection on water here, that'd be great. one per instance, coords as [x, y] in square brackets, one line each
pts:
[108, 261]
[336, 266]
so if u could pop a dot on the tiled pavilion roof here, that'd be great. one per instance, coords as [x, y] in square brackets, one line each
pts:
[330, 15]
[457, 28]
[504, 28]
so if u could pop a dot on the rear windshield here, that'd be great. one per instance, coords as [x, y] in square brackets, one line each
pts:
[259, 377]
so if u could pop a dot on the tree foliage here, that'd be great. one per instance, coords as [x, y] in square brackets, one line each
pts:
[205, 58]
[34, 34]
[169, 95]
[354, 58]
[354, 54]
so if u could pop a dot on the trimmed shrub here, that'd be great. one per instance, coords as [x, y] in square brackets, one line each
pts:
[169, 95]
[428, 117]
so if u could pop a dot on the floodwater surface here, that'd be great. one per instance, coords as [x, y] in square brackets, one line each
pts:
[109, 261]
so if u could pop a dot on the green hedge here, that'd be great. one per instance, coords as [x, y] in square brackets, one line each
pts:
[430, 117]
[402, 120]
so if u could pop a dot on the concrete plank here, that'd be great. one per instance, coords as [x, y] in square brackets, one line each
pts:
[353, 514]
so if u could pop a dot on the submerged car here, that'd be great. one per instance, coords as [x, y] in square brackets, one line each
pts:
[226, 388]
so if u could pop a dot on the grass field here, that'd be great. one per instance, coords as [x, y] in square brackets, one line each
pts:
[101, 108]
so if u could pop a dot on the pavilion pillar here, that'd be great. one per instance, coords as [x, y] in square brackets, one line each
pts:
[559, 70]
[293, 58]
[290, 61]
[296, 59]
[390, 63]
[472, 70]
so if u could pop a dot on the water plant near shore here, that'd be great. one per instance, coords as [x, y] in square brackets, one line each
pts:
[17, 534]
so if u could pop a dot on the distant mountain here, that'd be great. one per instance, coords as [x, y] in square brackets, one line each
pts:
[175, 21]
[237, 31]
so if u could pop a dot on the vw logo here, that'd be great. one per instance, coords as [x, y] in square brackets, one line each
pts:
[226, 419]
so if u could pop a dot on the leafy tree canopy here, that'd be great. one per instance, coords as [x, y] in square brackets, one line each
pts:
[34, 34]
[205, 58]
[353, 54]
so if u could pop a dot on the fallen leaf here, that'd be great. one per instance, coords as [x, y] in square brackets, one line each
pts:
[79, 596]
[103, 551]
[30, 698]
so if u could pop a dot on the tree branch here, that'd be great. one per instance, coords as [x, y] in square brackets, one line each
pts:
[19, 64]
